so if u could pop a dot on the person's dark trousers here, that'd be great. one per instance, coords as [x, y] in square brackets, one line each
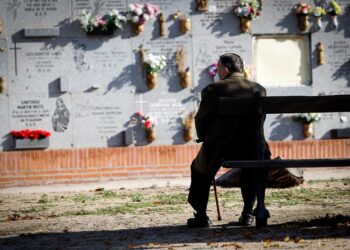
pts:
[248, 190]
[199, 190]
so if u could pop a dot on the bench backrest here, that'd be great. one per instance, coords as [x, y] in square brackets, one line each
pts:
[284, 104]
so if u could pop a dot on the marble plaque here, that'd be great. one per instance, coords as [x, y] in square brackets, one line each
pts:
[99, 120]
[40, 112]
[37, 67]
[218, 21]
[35, 13]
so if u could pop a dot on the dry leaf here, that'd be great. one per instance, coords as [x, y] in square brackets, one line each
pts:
[286, 239]
[298, 240]
[65, 230]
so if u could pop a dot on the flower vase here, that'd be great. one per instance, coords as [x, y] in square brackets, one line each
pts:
[308, 130]
[138, 28]
[335, 21]
[318, 22]
[187, 134]
[185, 79]
[185, 25]
[245, 24]
[303, 21]
[151, 80]
[150, 134]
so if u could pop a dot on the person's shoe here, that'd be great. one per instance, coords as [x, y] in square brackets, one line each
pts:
[261, 219]
[246, 219]
[199, 221]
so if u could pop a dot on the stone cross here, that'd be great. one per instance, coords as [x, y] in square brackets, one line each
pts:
[15, 48]
[141, 102]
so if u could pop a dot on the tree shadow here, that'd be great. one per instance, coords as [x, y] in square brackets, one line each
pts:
[156, 237]
[178, 137]
[344, 20]
[219, 28]
[121, 80]
[343, 72]
[289, 22]
[283, 127]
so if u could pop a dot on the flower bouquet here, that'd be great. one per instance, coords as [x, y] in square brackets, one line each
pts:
[152, 65]
[213, 70]
[318, 13]
[334, 10]
[148, 125]
[247, 10]
[138, 14]
[101, 25]
[303, 10]
[188, 124]
[30, 138]
[307, 119]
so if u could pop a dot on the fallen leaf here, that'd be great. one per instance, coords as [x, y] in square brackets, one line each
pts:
[286, 239]
[65, 230]
[236, 245]
[99, 189]
[298, 240]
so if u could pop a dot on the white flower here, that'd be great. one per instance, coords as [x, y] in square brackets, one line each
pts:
[135, 19]
[146, 17]
[138, 11]
[131, 7]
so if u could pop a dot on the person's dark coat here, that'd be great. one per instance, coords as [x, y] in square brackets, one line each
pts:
[226, 137]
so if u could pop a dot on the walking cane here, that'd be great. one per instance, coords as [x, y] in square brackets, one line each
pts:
[216, 199]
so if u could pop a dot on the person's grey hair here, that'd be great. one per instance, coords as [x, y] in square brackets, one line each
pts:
[232, 62]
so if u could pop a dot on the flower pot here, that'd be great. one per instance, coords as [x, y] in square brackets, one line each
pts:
[138, 28]
[185, 79]
[32, 144]
[245, 24]
[308, 130]
[150, 134]
[335, 21]
[318, 22]
[185, 25]
[187, 134]
[303, 21]
[151, 80]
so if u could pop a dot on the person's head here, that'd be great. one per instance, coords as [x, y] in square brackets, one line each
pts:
[228, 64]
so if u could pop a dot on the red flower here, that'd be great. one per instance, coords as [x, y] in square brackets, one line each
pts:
[31, 134]
[148, 124]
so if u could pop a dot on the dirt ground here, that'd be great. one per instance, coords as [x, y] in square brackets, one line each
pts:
[314, 215]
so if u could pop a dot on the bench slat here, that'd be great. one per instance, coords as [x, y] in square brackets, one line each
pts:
[286, 104]
[285, 163]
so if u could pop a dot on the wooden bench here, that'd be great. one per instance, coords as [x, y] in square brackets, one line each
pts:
[280, 105]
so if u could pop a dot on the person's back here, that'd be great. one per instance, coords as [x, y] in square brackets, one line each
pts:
[226, 138]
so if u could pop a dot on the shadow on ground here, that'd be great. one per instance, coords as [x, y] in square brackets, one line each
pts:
[160, 236]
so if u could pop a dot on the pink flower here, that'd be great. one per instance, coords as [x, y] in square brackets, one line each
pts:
[139, 113]
[152, 9]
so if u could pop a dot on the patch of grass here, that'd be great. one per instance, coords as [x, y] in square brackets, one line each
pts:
[108, 194]
[137, 197]
[82, 198]
[345, 181]
[35, 209]
[306, 196]
[44, 199]
[170, 199]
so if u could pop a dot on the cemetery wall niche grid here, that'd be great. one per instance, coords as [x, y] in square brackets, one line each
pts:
[86, 89]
